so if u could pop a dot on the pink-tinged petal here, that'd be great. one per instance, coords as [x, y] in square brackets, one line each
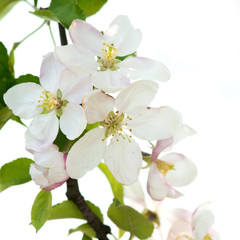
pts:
[137, 68]
[23, 98]
[86, 153]
[135, 193]
[156, 123]
[124, 160]
[138, 95]
[74, 56]
[214, 234]
[42, 132]
[172, 192]
[155, 184]
[73, 120]
[57, 174]
[75, 86]
[39, 174]
[179, 214]
[86, 35]
[201, 223]
[49, 158]
[55, 185]
[97, 105]
[160, 146]
[50, 73]
[123, 36]
[184, 171]
[110, 81]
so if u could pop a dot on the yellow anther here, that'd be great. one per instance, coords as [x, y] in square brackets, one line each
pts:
[207, 237]
[183, 235]
[164, 167]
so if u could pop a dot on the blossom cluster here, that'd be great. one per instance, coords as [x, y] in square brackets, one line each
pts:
[99, 80]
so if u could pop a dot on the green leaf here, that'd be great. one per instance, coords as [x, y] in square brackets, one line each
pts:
[86, 237]
[46, 14]
[86, 229]
[27, 78]
[117, 187]
[68, 209]
[130, 220]
[91, 7]
[66, 11]
[6, 77]
[41, 209]
[6, 6]
[15, 173]
[5, 115]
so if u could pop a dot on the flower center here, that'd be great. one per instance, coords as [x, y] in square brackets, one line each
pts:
[183, 236]
[207, 237]
[164, 167]
[108, 60]
[116, 123]
[48, 101]
[151, 216]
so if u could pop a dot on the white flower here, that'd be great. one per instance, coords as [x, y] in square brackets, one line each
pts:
[118, 119]
[59, 96]
[98, 53]
[192, 226]
[173, 169]
[49, 169]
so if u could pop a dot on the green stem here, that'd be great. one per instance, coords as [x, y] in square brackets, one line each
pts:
[30, 4]
[51, 33]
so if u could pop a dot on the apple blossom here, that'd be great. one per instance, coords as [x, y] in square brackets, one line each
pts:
[59, 96]
[192, 226]
[172, 169]
[119, 119]
[49, 169]
[99, 54]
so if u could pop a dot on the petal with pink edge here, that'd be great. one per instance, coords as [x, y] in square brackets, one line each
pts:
[50, 73]
[42, 132]
[160, 146]
[155, 184]
[86, 153]
[123, 36]
[137, 95]
[39, 175]
[124, 160]
[97, 105]
[75, 86]
[156, 123]
[137, 68]
[172, 192]
[110, 81]
[74, 56]
[73, 120]
[23, 98]
[84, 34]
[184, 171]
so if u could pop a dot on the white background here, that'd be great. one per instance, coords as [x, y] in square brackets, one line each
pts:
[199, 41]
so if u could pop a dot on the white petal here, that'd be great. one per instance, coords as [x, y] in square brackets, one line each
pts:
[39, 175]
[86, 35]
[135, 193]
[73, 120]
[172, 192]
[201, 223]
[49, 158]
[137, 95]
[160, 146]
[86, 153]
[74, 56]
[155, 185]
[124, 160]
[42, 132]
[110, 81]
[137, 68]
[23, 99]
[123, 36]
[97, 105]
[75, 86]
[57, 174]
[50, 72]
[156, 123]
[185, 170]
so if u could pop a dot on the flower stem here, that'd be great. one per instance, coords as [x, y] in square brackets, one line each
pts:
[50, 30]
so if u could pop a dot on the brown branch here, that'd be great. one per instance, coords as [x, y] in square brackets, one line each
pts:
[74, 195]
